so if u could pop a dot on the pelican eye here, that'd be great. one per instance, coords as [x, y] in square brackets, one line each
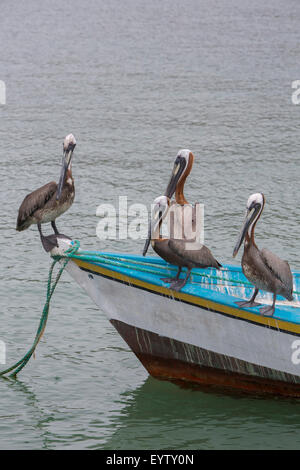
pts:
[254, 205]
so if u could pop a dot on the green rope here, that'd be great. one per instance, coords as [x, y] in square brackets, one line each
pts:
[50, 290]
[106, 259]
[159, 269]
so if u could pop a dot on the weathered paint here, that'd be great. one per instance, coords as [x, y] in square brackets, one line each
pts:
[167, 358]
[196, 335]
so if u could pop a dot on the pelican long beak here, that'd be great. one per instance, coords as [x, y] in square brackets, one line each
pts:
[250, 216]
[66, 161]
[146, 246]
[178, 169]
[152, 225]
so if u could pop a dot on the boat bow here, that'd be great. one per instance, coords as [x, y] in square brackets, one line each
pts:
[198, 334]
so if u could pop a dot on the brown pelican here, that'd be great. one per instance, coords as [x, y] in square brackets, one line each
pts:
[261, 267]
[182, 253]
[182, 167]
[51, 200]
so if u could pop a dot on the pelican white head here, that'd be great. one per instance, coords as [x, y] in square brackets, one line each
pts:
[179, 170]
[256, 198]
[184, 153]
[255, 205]
[69, 141]
[160, 204]
[160, 209]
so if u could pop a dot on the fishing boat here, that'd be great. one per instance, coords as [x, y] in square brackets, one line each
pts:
[197, 335]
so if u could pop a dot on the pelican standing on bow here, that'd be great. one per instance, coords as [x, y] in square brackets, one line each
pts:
[51, 200]
[181, 253]
[261, 267]
[182, 167]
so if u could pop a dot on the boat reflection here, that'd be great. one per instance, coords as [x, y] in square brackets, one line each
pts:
[161, 415]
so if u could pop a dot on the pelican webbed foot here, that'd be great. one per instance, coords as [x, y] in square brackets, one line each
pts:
[178, 285]
[249, 303]
[57, 234]
[62, 235]
[49, 242]
[267, 311]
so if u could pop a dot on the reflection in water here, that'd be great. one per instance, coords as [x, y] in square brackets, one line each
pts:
[27, 413]
[161, 415]
[136, 81]
[157, 415]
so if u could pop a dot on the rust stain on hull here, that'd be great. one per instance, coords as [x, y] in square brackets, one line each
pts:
[166, 358]
[172, 369]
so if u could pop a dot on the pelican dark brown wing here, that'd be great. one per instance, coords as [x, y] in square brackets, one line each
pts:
[281, 270]
[194, 253]
[33, 202]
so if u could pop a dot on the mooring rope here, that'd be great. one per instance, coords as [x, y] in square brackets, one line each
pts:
[50, 290]
[116, 261]
[120, 262]
[159, 269]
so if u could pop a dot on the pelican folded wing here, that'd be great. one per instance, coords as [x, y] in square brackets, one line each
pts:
[281, 269]
[32, 202]
[194, 252]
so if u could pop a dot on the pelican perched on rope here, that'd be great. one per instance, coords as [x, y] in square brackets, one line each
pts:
[51, 200]
[180, 252]
[261, 267]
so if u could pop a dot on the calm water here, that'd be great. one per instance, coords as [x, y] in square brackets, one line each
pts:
[135, 81]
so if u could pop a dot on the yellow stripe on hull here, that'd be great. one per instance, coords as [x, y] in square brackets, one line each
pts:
[282, 325]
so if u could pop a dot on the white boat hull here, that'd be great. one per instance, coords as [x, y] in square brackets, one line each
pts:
[176, 339]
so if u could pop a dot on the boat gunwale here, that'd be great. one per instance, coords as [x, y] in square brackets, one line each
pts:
[279, 322]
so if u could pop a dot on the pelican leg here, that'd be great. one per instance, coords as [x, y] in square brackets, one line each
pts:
[49, 242]
[54, 227]
[58, 235]
[249, 303]
[172, 279]
[269, 311]
[177, 285]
